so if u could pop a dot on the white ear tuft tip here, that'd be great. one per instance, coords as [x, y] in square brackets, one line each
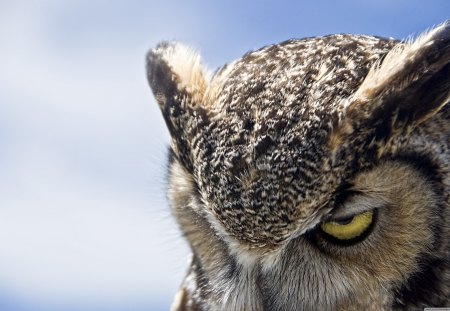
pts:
[186, 64]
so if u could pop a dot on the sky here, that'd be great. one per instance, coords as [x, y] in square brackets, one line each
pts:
[84, 221]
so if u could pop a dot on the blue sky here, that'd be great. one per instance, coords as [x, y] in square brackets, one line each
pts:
[84, 224]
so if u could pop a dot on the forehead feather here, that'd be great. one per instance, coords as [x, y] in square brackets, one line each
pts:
[272, 113]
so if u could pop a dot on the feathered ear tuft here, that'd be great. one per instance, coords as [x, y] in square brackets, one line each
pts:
[179, 82]
[176, 68]
[413, 78]
[405, 88]
[407, 62]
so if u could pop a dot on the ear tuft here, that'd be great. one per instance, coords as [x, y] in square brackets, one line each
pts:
[179, 82]
[407, 62]
[409, 85]
[404, 89]
[176, 68]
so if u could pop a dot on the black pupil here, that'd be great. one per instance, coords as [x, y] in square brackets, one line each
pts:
[344, 221]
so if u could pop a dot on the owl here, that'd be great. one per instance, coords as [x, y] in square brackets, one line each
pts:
[312, 174]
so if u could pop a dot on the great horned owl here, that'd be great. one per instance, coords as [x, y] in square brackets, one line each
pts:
[313, 174]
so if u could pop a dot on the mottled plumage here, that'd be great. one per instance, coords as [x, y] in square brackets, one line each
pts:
[303, 133]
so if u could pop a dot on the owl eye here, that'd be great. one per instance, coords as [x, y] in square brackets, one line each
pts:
[350, 228]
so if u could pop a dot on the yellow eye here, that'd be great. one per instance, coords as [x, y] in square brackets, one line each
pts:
[348, 228]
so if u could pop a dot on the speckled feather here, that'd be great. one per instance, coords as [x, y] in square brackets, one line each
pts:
[268, 134]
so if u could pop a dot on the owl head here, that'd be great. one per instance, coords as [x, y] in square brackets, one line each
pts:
[313, 174]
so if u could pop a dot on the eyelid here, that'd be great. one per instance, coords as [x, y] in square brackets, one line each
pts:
[354, 205]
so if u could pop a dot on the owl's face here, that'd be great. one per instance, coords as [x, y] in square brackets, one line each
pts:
[312, 174]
